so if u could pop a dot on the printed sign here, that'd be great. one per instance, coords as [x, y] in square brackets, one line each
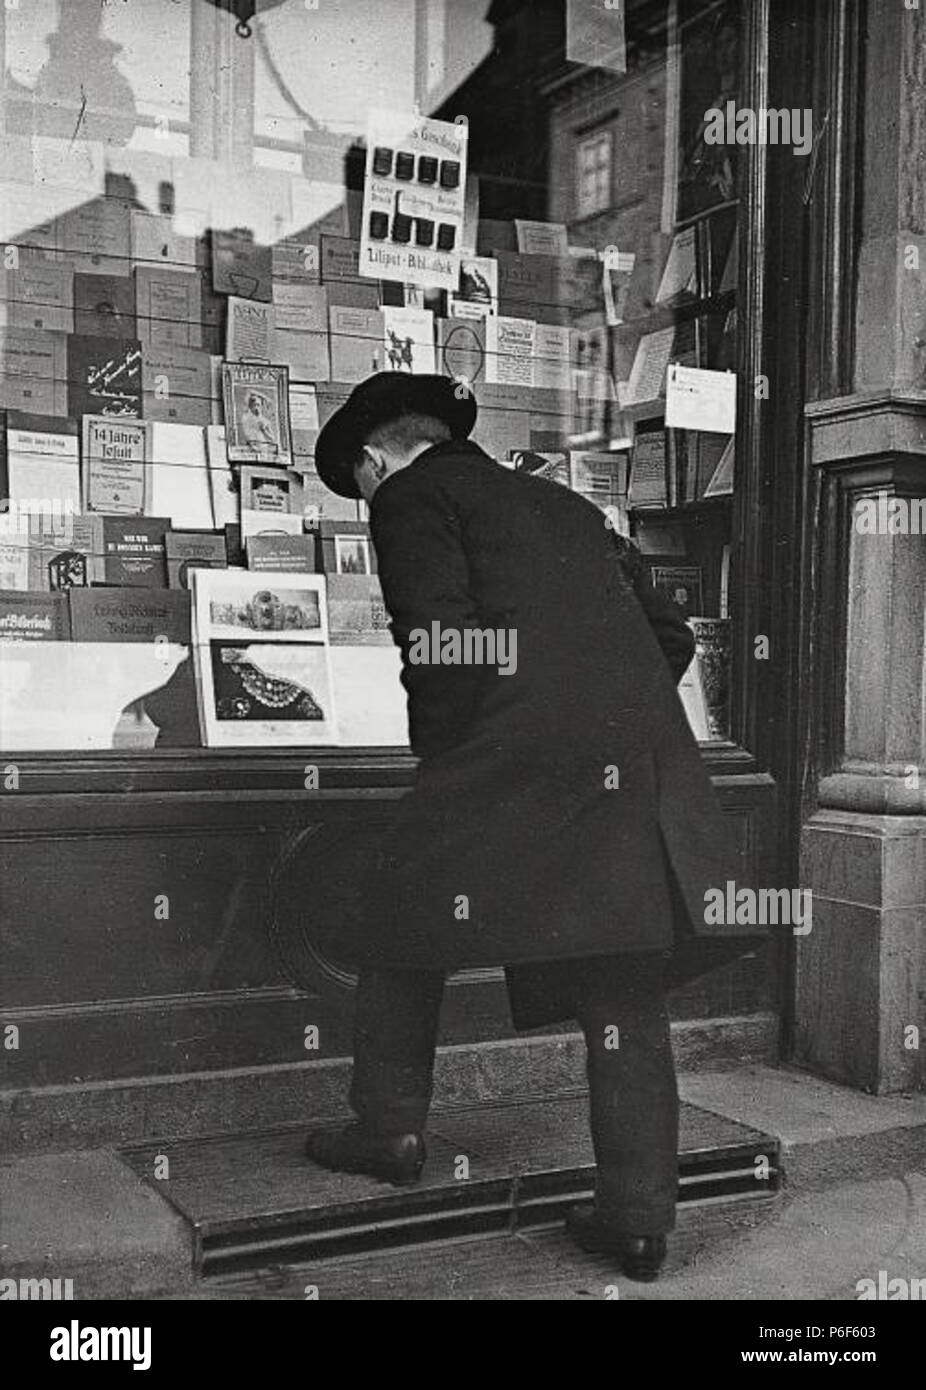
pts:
[414, 197]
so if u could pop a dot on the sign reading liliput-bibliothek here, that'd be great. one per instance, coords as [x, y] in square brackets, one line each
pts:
[414, 196]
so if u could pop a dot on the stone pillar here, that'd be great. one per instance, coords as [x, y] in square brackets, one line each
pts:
[860, 1008]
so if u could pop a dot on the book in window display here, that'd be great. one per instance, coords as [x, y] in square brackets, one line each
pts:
[41, 466]
[408, 337]
[114, 461]
[178, 475]
[462, 349]
[681, 585]
[38, 296]
[262, 659]
[33, 371]
[104, 376]
[257, 425]
[240, 265]
[187, 550]
[133, 551]
[104, 306]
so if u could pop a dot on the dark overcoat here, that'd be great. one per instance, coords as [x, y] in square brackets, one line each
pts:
[551, 801]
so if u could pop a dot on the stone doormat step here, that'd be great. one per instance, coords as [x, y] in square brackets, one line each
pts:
[253, 1199]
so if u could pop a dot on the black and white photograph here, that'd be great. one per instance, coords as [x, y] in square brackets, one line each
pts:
[486, 862]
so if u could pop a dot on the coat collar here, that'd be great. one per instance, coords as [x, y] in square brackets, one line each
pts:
[448, 448]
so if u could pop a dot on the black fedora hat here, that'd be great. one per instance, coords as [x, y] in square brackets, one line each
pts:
[377, 401]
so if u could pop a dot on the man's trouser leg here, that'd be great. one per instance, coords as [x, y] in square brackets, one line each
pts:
[395, 1035]
[633, 1096]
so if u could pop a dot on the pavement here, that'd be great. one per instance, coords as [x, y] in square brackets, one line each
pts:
[854, 1208]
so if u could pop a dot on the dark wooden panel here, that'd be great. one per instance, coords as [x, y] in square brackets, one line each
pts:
[102, 988]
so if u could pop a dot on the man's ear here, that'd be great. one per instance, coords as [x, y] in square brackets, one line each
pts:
[375, 460]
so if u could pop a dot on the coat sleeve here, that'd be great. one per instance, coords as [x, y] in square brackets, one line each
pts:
[424, 573]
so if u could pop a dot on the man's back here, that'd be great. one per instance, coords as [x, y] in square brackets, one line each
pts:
[468, 544]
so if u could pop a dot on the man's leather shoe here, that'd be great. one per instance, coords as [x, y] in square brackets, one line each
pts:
[395, 1158]
[639, 1257]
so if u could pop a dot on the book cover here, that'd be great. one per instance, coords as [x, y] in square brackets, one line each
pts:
[262, 659]
[177, 484]
[271, 489]
[553, 349]
[357, 343]
[651, 363]
[477, 293]
[257, 427]
[39, 295]
[65, 554]
[357, 613]
[168, 305]
[345, 547]
[186, 550]
[295, 554]
[117, 615]
[408, 337]
[104, 376]
[300, 308]
[133, 551]
[541, 238]
[176, 385]
[42, 463]
[461, 349]
[648, 470]
[249, 330]
[241, 266]
[305, 354]
[681, 585]
[114, 464]
[266, 523]
[33, 371]
[95, 237]
[296, 259]
[510, 350]
[528, 287]
[223, 485]
[155, 242]
[34, 617]
[600, 477]
[104, 306]
[680, 278]
[303, 412]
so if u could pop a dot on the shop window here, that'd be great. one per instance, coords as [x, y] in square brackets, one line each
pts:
[196, 272]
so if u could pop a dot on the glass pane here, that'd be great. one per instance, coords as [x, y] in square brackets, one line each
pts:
[212, 230]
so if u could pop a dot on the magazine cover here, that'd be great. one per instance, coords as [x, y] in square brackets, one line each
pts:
[262, 661]
[257, 425]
